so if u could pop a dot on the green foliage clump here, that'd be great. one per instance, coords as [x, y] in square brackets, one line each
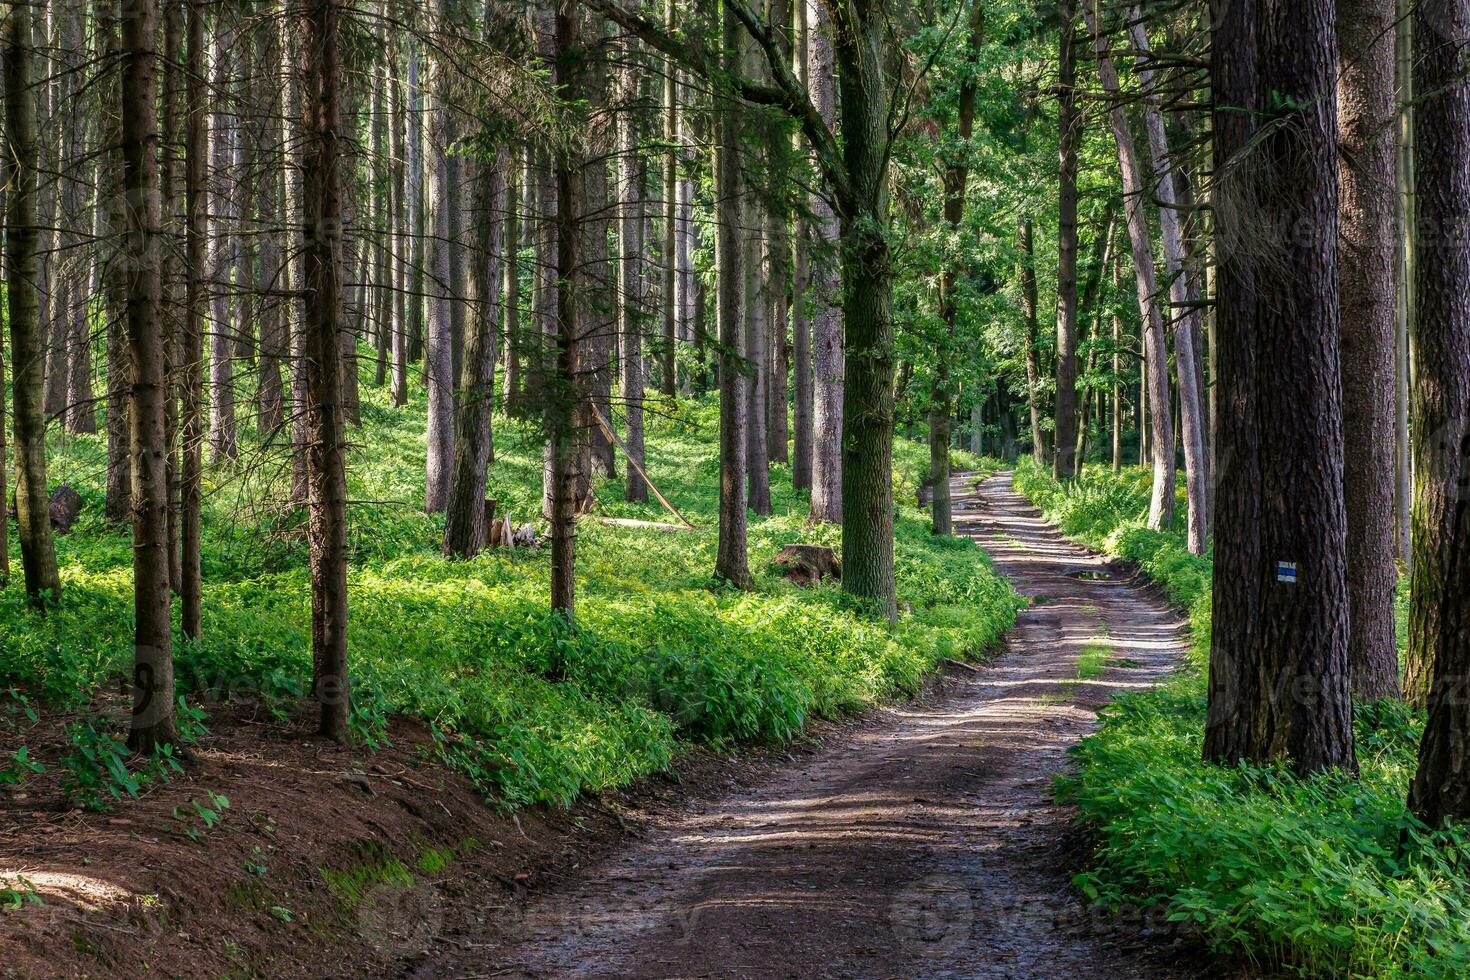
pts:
[1324, 877]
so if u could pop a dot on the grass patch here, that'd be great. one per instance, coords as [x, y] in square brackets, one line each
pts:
[1323, 877]
[1095, 660]
[530, 710]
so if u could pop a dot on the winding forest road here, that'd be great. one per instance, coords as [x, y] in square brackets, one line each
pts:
[923, 843]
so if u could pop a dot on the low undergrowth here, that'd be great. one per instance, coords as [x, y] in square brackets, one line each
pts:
[530, 709]
[1324, 877]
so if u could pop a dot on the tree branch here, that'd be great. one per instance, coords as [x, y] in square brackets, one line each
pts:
[787, 93]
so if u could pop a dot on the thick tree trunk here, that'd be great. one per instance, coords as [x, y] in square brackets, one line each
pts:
[867, 407]
[37, 551]
[731, 563]
[1366, 229]
[322, 199]
[1280, 680]
[153, 669]
[1441, 342]
[828, 368]
[1238, 713]
[1440, 791]
[1069, 137]
[1441, 618]
[465, 530]
[1156, 346]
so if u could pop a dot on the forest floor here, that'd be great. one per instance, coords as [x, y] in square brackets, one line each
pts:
[921, 841]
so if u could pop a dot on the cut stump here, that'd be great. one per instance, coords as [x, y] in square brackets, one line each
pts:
[808, 564]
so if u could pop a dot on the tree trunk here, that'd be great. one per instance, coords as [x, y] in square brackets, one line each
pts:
[78, 414]
[668, 381]
[1366, 230]
[1069, 137]
[1441, 341]
[867, 407]
[293, 140]
[562, 397]
[731, 563]
[223, 440]
[956, 179]
[191, 351]
[118, 505]
[1117, 373]
[1185, 319]
[322, 200]
[270, 409]
[1156, 346]
[599, 292]
[757, 463]
[1280, 679]
[403, 229]
[778, 364]
[37, 551]
[1040, 450]
[1238, 714]
[439, 339]
[465, 530]
[631, 213]
[414, 193]
[684, 228]
[828, 368]
[1440, 791]
[1407, 239]
[512, 379]
[153, 669]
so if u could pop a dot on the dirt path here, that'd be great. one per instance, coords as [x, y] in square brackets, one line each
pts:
[923, 844]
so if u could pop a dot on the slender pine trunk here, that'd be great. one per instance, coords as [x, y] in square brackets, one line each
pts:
[153, 668]
[37, 551]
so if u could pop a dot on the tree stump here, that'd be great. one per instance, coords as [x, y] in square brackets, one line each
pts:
[66, 506]
[808, 564]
